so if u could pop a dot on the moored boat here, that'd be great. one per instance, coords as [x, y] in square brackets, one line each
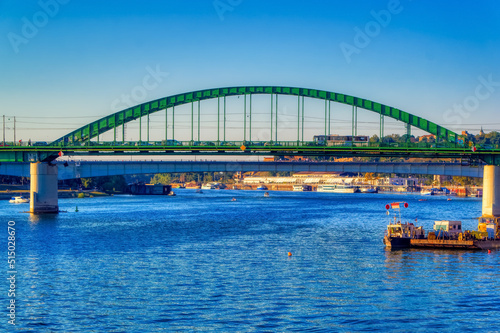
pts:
[449, 235]
[338, 188]
[208, 186]
[446, 234]
[19, 199]
[437, 191]
[369, 190]
[302, 188]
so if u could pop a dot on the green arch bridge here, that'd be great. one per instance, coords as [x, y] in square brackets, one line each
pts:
[80, 141]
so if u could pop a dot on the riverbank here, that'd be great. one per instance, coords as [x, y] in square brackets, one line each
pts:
[461, 191]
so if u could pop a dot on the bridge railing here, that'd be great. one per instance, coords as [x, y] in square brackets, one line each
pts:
[260, 144]
[23, 144]
[231, 145]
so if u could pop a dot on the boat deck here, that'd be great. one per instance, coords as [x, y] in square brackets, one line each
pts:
[456, 244]
[445, 243]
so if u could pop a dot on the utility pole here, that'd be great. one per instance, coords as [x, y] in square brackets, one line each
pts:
[15, 131]
[4, 130]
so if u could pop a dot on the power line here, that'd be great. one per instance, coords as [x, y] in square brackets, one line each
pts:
[59, 117]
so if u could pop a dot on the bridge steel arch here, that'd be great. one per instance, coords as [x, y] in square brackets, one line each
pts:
[111, 122]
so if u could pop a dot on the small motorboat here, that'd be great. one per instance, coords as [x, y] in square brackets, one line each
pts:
[266, 194]
[19, 199]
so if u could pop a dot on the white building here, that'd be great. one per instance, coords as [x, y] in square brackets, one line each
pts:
[397, 181]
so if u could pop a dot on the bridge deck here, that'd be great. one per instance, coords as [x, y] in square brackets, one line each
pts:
[33, 153]
[80, 169]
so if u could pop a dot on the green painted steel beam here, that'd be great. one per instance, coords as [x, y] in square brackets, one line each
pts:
[449, 150]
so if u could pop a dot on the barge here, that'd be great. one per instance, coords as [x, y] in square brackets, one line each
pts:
[445, 234]
[456, 244]
[449, 235]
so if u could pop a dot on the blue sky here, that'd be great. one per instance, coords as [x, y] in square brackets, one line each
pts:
[436, 60]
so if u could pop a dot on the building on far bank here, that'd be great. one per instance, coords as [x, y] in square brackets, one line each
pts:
[306, 178]
[426, 138]
[397, 181]
[317, 178]
[440, 179]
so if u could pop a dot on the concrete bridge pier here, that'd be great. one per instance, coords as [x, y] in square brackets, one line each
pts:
[491, 191]
[43, 188]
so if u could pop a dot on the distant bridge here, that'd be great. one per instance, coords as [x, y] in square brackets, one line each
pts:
[85, 169]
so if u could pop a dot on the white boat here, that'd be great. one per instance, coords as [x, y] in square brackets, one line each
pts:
[369, 190]
[19, 199]
[208, 187]
[262, 187]
[302, 188]
[339, 188]
[436, 191]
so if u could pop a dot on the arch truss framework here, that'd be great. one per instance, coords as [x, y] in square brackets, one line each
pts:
[120, 118]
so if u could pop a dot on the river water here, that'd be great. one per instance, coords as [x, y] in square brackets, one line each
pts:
[201, 262]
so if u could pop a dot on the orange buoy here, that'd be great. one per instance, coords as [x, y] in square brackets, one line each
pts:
[489, 251]
[289, 254]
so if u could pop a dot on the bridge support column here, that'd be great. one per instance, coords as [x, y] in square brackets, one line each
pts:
[43, 188]
[491, 191]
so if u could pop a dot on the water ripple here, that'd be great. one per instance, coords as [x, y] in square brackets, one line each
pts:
[204, 263]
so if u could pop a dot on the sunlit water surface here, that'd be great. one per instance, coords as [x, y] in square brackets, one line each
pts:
[201, 262]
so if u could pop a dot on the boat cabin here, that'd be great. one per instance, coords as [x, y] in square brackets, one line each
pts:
[490, 225]
[19, 199]
[302, 188]
[409, 230]
[450, 227]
